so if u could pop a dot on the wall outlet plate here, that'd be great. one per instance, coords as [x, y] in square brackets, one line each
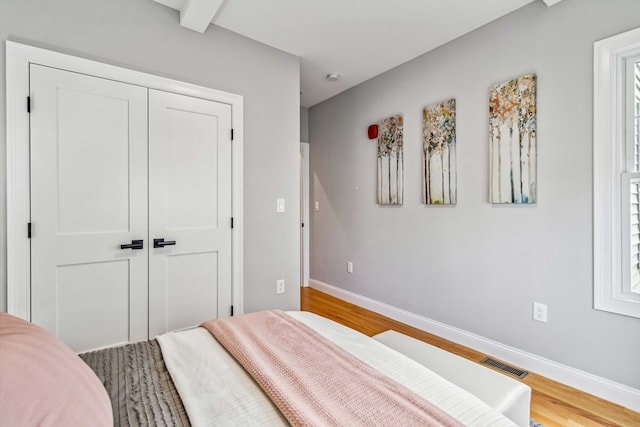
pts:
[349, 267]
[540, 312]
[280, 286]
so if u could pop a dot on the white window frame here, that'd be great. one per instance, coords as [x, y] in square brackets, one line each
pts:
[19, 56]
[610, 214]
[627, 180]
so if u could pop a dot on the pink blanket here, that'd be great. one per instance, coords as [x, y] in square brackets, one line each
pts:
[313, 382]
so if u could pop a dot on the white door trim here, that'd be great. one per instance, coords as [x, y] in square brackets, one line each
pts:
[18, 58]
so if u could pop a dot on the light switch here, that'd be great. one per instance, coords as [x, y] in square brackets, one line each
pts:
[279, 205]
[317, 206]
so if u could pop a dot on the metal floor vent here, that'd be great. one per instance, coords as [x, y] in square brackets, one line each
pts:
[506, 368]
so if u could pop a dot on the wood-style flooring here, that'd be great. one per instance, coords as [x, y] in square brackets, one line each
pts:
[552, 403]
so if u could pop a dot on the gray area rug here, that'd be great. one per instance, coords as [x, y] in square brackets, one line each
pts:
[139, 385]
[534, 423]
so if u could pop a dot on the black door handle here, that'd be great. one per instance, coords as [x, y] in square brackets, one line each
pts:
[135, 244]
[160, 243]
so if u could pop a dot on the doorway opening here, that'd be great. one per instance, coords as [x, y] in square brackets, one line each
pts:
[304, 214]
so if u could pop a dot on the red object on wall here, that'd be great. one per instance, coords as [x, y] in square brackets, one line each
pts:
[373, 131]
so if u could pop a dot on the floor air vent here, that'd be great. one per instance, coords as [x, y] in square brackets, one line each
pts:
[506, 368]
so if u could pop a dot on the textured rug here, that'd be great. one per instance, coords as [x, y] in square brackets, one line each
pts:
[534, 423]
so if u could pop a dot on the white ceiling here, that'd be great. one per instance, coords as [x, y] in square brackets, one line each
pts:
[357, 39]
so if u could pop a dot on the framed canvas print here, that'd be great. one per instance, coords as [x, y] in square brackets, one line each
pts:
[512, 141]
[390, 161]
[439, 153]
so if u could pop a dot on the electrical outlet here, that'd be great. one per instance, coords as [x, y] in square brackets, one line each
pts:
[279, 205]
[349, 267]
[540, 312]
[280, 286]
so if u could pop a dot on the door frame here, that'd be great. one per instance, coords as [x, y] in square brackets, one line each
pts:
[304, 213]
[18, 58]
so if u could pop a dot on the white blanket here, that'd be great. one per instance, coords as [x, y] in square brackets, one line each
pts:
[217, 391]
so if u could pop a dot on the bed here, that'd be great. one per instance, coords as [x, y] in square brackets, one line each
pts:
[188, 378]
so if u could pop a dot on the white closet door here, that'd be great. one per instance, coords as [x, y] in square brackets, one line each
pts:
[189, 204]
[88, 197]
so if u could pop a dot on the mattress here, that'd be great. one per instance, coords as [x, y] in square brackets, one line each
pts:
[217, 391]
[508, 396]
[187, 378]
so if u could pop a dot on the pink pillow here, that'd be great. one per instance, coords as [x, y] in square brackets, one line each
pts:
[44, 383]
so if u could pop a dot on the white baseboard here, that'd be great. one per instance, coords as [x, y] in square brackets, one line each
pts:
[609, 390]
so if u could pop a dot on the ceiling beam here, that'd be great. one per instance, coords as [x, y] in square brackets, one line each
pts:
[198, 14]
[550, 3]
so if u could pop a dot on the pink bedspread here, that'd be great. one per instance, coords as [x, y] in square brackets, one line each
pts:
[313, 382]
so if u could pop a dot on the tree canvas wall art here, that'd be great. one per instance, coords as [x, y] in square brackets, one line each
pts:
[439, 153]
[512, 141]
[390, 161]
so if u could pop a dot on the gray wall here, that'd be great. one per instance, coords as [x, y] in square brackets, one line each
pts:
[477, 266]
[146, 36]
[304, 124]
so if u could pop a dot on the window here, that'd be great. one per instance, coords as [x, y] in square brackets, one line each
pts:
[631, 179]
[616, 173]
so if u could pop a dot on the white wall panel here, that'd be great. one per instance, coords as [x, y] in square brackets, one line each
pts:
[102, 303]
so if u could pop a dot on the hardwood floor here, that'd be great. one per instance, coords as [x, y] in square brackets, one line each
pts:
[552, 403]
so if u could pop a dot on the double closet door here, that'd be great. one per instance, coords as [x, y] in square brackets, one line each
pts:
[130, 209]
